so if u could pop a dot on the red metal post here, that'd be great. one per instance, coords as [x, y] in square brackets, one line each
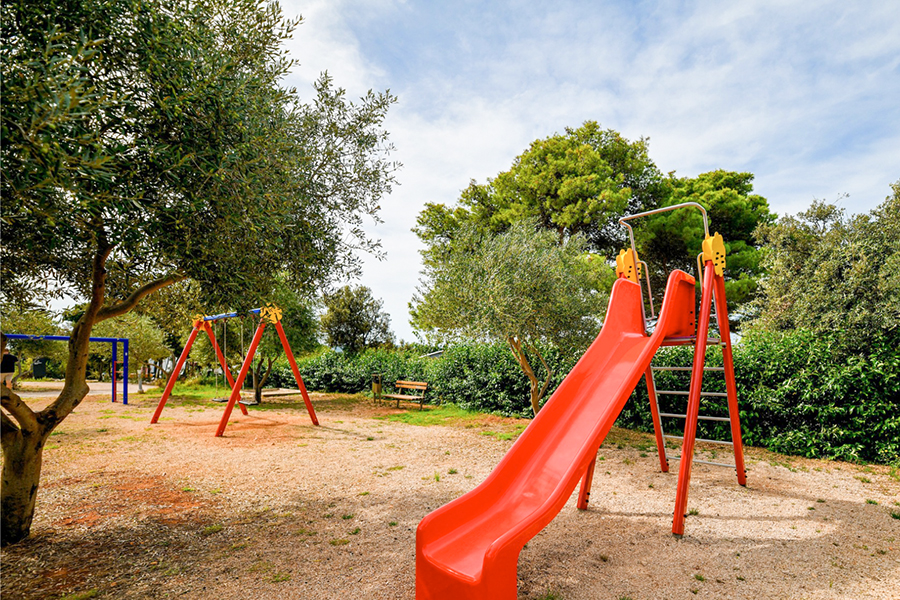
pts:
[236, 390]
[584, 493]
[221, 357]
[657, 423]
[693, 409]
[178, 365]
[300, 384]
[730, 385]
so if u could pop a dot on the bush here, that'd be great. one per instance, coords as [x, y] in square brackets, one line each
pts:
[796, 395]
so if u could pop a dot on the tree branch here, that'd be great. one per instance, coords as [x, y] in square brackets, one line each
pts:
[534, 349]
[26, 418]
[8, 429]
[126, 305]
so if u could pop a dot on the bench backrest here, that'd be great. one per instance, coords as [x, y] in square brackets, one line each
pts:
[411, 385]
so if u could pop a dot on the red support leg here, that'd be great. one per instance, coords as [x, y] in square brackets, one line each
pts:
[236, 390]
[693, 410]
[584, 493]
[657, 422]
[300, 384]
[221, 357]
[730, 385]
[174, 377]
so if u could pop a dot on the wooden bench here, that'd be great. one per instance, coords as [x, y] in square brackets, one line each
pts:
[411, 386]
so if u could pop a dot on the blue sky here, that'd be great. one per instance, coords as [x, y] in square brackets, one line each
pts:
[806, 96]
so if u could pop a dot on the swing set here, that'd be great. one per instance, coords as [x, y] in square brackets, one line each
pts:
[269, 314]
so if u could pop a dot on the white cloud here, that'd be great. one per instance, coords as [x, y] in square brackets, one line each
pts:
[803, 95]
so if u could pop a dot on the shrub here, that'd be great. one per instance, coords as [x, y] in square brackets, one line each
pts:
[797, 395]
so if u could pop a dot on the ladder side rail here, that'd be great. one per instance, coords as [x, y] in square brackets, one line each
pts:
[693, 410]
[730, 383]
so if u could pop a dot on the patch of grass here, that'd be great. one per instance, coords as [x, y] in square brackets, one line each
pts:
[437, 476]
[188, 489]
[693, 512]
[397, 468]
[260, 567]
[863, 479]
[699, 577]
[505, 435]
[452, 472]
[875, 502]
[82, 595]
[347, 517]
[895, 514]
[355, 531]
[339, 542]
[392, 524]
[279, 577]
[211, 529]
[363, 494]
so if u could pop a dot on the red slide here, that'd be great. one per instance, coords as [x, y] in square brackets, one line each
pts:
[469, 548]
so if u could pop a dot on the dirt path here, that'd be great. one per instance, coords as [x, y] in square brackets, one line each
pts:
[281, 509]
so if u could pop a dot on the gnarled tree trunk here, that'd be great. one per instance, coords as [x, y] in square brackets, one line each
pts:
[22, 461]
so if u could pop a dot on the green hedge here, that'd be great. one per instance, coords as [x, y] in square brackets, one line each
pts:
[795, 397]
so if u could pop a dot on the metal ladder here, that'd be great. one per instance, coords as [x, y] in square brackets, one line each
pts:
[710, 270]
[655, 393]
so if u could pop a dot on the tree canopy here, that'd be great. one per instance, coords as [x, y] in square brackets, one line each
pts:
[671, 240]
[520, 286]
[354, 319]
[827, 272]
[147, 142]
[586, 180]
[582, 181]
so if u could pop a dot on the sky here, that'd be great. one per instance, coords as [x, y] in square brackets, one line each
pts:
[804, 95]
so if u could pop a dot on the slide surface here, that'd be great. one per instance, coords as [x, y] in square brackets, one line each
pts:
[470, 547]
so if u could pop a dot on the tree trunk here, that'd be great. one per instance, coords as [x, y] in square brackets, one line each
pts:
[537, 389]
[140, 381]
[22, 461]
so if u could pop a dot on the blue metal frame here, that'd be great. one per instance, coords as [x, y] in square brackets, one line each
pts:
[115, 353]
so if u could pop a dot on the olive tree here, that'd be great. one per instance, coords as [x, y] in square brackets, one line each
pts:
[828, 273]
[150, 142]
[521, 286]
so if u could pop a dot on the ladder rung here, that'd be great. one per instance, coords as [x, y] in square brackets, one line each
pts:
[690, 339]
[706, 462]
[686, 368]
[701, 417]
[678, 437]
[680, 393]
[720, 442]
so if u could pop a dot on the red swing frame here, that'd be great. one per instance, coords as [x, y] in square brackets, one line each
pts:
[269, 314]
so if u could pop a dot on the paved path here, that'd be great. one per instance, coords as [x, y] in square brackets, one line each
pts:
[50, 389]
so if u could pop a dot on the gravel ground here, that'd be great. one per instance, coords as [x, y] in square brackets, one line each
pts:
[281, 509]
